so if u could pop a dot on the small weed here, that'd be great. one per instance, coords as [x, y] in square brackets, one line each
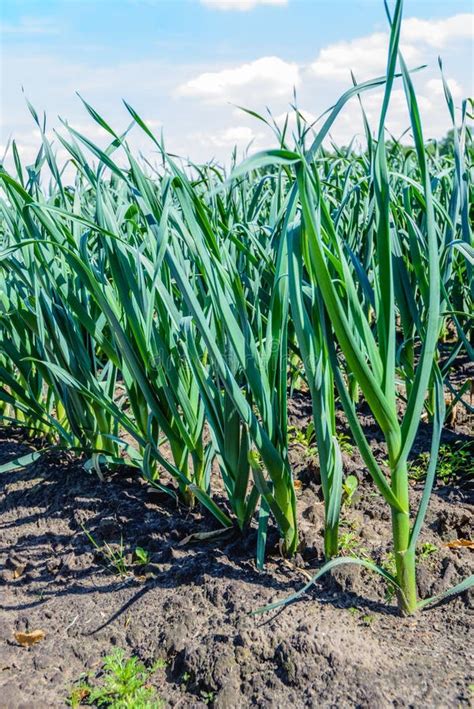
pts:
[115, 558]
[297, 375]
[142, 556]
[121, 684]
[296, 435]
[345, 443]
[207, 697]
[303, 438]
[426, 550]
[349, 487]
[351, 524]
[388, 564]
[77, 695]
[417, 468]
[349, 545]
[347, 542]
[365, 618]
[453, 461]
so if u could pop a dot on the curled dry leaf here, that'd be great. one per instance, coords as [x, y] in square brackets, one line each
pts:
[292, 566]
[458, 543]
[19, 571]
[29, 639]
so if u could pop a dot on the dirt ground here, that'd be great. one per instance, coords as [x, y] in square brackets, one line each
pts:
[342, 645]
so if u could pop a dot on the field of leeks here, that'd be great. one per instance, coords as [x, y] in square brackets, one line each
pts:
[149, 316]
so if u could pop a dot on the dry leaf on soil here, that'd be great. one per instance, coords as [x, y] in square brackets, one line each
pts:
[19, 571]
[457, 543]
[29, 639]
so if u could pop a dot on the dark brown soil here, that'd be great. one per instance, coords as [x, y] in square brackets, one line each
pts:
[342, 645]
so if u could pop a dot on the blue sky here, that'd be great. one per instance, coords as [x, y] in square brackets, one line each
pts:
[188, 30]
[184, 64]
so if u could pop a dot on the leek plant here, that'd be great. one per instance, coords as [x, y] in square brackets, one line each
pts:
[370, 353]
[369, 348]
[311, 330]
[246, 343]
[43, 336]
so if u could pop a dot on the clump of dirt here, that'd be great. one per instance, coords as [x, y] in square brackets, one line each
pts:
[342, 645]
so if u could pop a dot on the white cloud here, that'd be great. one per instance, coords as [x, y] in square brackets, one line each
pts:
[434, 87]
[268, 76]
[438, 33]
[235, 135]
[363, 55]
[240, 5]
[291, 123]
[153, 124]
[367, 56]
[240, 136]
[29, 26]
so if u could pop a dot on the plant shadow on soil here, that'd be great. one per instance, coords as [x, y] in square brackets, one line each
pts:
[341, 645]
